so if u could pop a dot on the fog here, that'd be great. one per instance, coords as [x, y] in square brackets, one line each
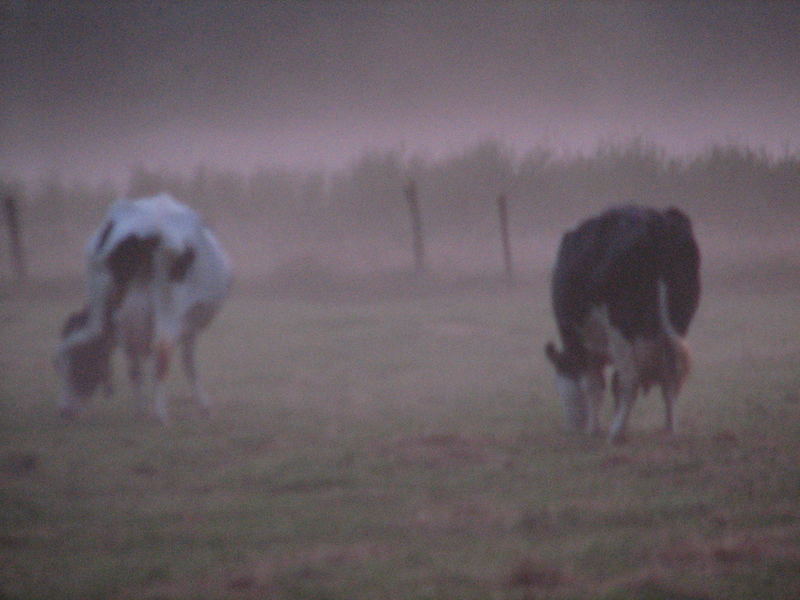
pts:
[93, 89]
[371, 419]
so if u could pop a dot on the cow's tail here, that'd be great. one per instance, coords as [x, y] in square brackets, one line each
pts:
[663, 311]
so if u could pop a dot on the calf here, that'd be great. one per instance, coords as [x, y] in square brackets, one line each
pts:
[625, 287]
[156, 278]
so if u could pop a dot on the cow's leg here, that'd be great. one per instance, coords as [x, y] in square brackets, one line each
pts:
[135, 374]
[108, 381]
[190, 368]
[625, 382]
[593, 388]
[68, 405]
[669, 393]
[677, 364]
[162, 360]
[108, 387]
[67, 401]
[625, 397]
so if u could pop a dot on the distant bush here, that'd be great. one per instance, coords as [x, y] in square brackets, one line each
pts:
[458, 191]
[547, 191]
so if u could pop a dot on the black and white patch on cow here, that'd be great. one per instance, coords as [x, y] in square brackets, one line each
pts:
[625, 288]
[156, 278]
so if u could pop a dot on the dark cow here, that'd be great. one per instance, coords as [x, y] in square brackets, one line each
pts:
[625, 287]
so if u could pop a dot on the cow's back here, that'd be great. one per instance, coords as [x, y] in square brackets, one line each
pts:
[616, 260]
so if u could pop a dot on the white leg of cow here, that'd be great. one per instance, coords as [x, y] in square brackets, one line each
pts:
[190, 368]
[624, 400]
[68, 406]
[162, 360]
[593, 389]
[135, 375]
[160, 402]
[678, 363]
[668, 393]
[108, 387]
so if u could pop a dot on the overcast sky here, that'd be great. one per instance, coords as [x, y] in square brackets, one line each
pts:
[92, 88]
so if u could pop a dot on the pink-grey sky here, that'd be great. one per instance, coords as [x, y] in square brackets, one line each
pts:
[93, 88]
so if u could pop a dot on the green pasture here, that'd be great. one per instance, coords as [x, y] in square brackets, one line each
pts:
[405, 447]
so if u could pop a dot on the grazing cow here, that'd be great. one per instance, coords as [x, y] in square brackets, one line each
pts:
[625, 287]
[156, 278]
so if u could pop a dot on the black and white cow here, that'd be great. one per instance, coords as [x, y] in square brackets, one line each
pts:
[625, 287]
[156, 278]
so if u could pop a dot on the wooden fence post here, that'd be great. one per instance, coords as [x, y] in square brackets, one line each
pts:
[410, 191]
[502, 210]
[15, 237]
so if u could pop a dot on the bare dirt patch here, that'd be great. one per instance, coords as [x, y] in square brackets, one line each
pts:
[265, 571]
[264, 576]
[656, 585]
[535, 574]
[19, 464]
[447, 449]
[458, 329]
[467, 515]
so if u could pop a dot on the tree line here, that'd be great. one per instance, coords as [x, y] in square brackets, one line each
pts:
[456, 194]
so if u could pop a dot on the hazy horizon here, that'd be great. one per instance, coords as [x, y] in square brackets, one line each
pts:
[93, 88]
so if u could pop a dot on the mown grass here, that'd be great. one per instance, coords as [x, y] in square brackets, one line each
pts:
[403, 448]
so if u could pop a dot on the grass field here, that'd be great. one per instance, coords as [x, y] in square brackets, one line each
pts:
[404, 447]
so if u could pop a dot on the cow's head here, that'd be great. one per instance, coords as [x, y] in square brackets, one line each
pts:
[82, 363]
[569, 383]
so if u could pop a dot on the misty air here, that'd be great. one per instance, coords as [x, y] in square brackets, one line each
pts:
[399, 299]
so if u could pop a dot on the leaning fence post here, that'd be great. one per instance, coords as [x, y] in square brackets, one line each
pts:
[502, 211]
[15, 237]
[410, 191]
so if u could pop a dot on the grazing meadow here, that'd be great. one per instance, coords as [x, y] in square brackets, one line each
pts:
[405, 441]
[380, 435]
